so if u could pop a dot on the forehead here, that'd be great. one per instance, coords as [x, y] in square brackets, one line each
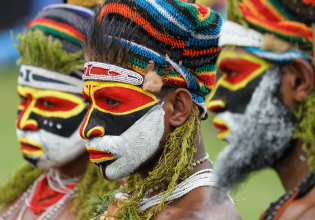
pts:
[40, 93]
[115, 88]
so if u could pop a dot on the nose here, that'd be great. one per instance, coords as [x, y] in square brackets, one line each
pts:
[90, 128]
[24, 122]
[216, 106]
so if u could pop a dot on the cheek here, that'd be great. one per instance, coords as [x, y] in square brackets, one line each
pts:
[237, 101]
[60, 126]
[112, 124]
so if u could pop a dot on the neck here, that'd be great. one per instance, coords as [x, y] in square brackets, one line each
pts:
[75, 167]
[293, 168]
[201, 152]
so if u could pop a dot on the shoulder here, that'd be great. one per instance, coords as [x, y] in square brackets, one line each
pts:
[198, 205]
[199, 215]
[308, 214]
[301, 209]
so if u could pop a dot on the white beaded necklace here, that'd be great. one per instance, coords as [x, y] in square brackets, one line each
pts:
[205, 177]
[51, 210]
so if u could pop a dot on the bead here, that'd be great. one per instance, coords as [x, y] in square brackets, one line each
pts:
[156, 187]
[194, 164]
[150, 190]
[202, 160]
[197, 162]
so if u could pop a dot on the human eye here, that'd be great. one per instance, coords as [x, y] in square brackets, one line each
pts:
[111, 102]
[47, 104]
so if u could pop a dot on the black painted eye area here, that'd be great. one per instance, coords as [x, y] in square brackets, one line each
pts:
[87, 103]
[23, 99]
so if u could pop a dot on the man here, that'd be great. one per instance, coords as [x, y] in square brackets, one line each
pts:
[149, 65]
[264, 100]
[49, 116]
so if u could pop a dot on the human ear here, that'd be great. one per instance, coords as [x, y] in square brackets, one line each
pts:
[181, 102]
[297, 81]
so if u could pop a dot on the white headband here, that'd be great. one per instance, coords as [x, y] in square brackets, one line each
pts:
[109, 72]
[41, 78]
[235, 34]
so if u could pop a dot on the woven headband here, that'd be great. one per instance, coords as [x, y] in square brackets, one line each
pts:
[41, 78]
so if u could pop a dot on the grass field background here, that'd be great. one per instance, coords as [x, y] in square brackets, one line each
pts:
[259, 190]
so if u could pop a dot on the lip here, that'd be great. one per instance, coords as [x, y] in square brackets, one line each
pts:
[98, 156]
[223, 126]
[30, 148]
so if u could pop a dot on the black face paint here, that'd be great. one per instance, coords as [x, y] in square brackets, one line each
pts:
[60, 126]
[236, 101]
[113, 124]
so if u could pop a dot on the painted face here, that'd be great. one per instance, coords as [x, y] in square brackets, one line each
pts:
[48, 126]
[251, 115]
[124, 126]
[241, 74]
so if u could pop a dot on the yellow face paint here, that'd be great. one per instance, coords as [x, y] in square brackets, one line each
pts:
[239, 69]
[113, 101]
[117, 91]
[225, 130]
[30, 148]
[68, 105]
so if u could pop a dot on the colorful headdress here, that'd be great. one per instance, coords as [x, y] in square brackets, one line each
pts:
[155, 43]
[51, 50]
[279, 30]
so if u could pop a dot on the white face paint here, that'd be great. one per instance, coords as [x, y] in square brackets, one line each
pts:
[133, 147]
[50, 150]
[258, 137]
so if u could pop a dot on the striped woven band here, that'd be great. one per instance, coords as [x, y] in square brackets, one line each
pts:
[41, 78]
[272, 16]
[64, 21]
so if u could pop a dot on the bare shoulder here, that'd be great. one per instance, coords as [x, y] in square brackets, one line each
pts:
[301, 209]
[198, 205]
[308, 215]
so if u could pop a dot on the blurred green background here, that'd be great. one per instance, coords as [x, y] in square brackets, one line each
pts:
[259, 190]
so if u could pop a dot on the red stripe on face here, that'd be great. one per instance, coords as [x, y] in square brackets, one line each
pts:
[222, 128]
[101, 71]
[57, 104]
[129, 99]
[94, 154]
[215, 107]
[29, 147]
[243, 69]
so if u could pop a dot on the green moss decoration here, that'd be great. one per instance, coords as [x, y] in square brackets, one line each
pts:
[305, 128]
[90, 185]
[233, 13]
[174, 165]
[36, 49]
[23, 177]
